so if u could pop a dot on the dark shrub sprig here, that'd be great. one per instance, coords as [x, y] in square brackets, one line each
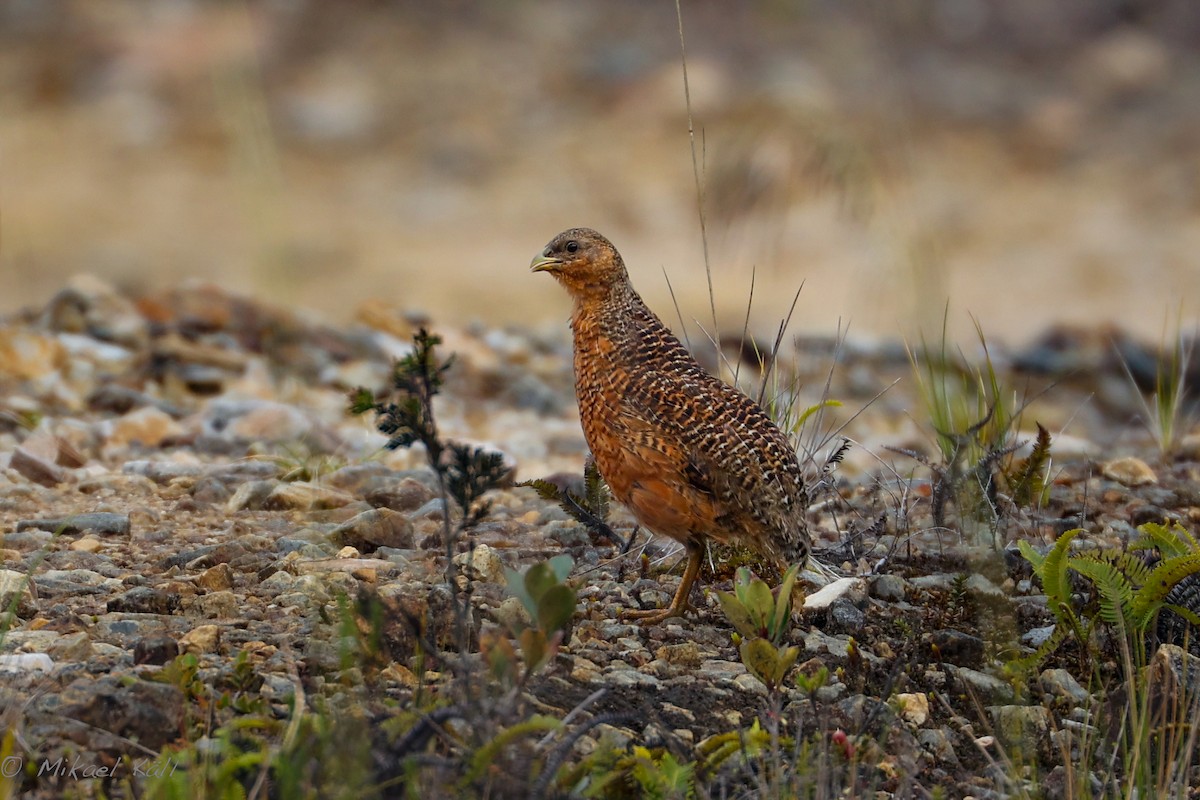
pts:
[464, 473]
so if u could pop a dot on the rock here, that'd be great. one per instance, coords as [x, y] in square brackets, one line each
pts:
[28, 355]
[145, 600]
[255, 421]
[956, 647]
[1129, 471]
[485, 564]
[71, 647]
[433, 509]
[379, 527]
[1036, 637]
[1023, 729]
[1060, 684]
[913, 708]
[850, 588]
[155, 650]
[26, 662]
[250, 496]
[37, 469]
[989, 688]
[219, 605]
[844, 617]
[91, 306]
[937, 742]
[631, 678]
[216, 578]
[407, 495]
[201, 639]
[98, 522]
[303, 496]
[749, 683]
[147, 426]
[684, 654]
[890, 588]
[513, 615]
[14, 585]
[87, 544]
[149, 713]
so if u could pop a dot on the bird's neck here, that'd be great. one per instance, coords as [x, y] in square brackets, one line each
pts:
[603, 306]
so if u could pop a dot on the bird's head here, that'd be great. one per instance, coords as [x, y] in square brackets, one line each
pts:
[584, 262]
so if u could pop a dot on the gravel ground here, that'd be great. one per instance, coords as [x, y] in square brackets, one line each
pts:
[179, 476]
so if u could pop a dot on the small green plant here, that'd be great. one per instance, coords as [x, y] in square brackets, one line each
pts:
[1166, 411]
[1128, 594]
[1151, 747]
[550, 603]
[761, 618]
[974, 419]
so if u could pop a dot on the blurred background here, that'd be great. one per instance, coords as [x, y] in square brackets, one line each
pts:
[1028, 162]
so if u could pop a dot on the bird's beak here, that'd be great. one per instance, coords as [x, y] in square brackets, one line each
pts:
[544, 264]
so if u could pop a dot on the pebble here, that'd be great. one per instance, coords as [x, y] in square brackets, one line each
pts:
[26, 662]
[147, 426]
[849, 588]
[890, 588]
[37, 468]
[379, 527]
[1059, 683]
[200, 639]
[304, 496]
[913, 708]
[155, 650]
[216, 578]
[14, 585]
[99, 522]
[991, 689]
[1129, 471]
[87, 544]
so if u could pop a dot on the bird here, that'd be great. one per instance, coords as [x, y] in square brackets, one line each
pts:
[690, 456]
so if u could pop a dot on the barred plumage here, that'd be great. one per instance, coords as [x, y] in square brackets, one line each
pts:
[692, 457]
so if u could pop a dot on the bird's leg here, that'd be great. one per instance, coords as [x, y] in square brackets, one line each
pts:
[679, 604]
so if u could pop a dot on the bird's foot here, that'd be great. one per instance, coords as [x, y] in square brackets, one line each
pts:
[653, 616]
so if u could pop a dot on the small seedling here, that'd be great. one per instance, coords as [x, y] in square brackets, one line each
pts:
[762, 617]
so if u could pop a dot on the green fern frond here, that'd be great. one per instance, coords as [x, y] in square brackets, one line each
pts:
[1151, 596]
[1115, 592]
[1028, 477]
[1054, 570]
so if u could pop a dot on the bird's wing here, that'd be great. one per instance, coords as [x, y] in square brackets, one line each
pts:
[658, 480]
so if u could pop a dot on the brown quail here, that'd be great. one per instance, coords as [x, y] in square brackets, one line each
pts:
[692, 457]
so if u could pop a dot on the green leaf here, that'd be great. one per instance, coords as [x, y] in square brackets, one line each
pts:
[760, 603]
[534, 649]
[781, 617]
[555, 608]
[737, 614]
[764, 660]
[561, 566]
[538, 579]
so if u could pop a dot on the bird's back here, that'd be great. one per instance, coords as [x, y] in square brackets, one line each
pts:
[707, 460]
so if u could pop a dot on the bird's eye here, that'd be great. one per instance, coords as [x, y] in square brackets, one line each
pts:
[572, 247]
